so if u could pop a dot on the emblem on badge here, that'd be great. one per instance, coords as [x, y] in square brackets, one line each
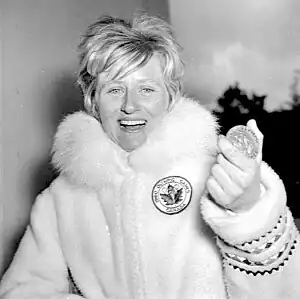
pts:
[171, 195]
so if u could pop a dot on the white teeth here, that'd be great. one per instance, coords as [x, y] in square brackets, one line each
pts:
[132, 122]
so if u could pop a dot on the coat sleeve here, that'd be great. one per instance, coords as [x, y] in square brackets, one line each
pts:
[38, 270]
[260, 247]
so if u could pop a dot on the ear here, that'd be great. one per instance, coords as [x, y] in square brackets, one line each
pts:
[173, 99]
[95, 111]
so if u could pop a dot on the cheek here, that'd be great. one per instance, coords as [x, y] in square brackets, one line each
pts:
[109, 123]
[158, 106]
[107, 112]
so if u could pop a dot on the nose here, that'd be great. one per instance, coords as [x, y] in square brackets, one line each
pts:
[129, 104]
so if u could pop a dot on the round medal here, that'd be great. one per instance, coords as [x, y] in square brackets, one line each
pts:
[171, 195]
[245, 140]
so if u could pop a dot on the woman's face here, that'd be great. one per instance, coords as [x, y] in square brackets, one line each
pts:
[131, 107]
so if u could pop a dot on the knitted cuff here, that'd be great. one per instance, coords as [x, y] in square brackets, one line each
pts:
[264, 242]
[265, 254]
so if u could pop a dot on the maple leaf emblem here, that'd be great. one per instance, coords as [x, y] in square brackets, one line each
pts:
[178, 196]
[173, 196]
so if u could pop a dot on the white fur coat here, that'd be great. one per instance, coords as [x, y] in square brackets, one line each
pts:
[98, 218]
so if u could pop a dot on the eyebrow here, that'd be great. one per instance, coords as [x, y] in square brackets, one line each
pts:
[104, 84]
[150, 81]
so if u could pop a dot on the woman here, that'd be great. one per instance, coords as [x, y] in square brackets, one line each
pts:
[150, 202]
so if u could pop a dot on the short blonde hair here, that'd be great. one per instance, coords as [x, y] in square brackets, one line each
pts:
[129, 45]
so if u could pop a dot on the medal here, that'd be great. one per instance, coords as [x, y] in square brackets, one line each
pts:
[245, 140]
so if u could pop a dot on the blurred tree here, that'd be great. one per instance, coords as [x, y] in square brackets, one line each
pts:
[236, 107]
[294, 102]
[295, 90]
[237, 100]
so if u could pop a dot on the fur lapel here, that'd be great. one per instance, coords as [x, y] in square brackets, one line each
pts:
[83, 152]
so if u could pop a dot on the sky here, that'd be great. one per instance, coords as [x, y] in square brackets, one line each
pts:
[253, 42]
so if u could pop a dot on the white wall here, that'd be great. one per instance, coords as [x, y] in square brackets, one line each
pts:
[39, 59]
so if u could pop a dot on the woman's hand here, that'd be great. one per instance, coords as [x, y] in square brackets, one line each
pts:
[234, 182]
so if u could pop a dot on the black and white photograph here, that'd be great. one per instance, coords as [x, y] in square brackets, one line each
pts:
[149, 149]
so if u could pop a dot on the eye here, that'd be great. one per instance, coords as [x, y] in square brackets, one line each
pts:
[147, 90]
[116, 91]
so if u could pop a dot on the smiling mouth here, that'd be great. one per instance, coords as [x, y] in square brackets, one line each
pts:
[132, 126]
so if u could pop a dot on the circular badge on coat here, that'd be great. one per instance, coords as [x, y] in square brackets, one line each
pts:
[171, 195]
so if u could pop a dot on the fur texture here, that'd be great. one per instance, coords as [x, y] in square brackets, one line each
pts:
[87, 156]
[186, 137]
[98, 219]
[172, 254]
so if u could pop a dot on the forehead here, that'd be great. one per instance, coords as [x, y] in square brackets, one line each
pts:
[152, 70]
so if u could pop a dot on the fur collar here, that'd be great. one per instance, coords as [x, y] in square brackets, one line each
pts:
[83, 152]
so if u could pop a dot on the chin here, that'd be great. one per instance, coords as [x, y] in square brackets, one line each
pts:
[130, 146]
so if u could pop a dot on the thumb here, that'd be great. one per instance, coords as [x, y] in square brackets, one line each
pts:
[251, 124]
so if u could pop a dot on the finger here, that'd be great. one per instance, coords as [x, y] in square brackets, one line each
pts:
[227, 183]
[251, 124]
[217, 192]
[241, 178]
[233, 155]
